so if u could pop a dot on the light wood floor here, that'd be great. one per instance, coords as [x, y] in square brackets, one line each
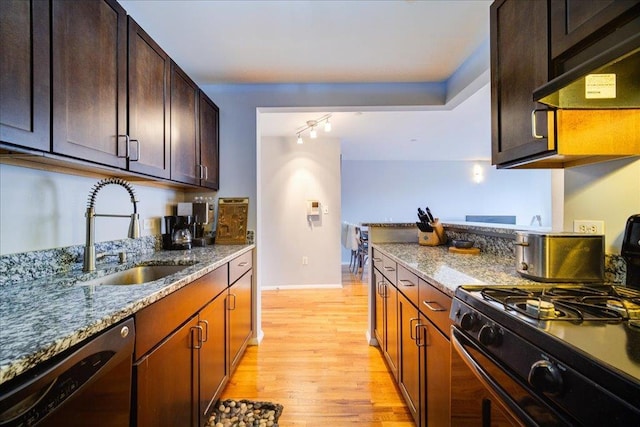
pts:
[315, 360]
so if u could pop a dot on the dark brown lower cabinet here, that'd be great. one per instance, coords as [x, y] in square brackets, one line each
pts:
[435, 359]
[165, 380]
[386, 325]
[213, 357]
[187, 345]
[409, 373]
[240, 325]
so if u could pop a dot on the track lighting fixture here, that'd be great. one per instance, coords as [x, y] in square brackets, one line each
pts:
[312, 126]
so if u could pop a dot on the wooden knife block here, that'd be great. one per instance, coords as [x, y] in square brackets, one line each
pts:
[433, 238]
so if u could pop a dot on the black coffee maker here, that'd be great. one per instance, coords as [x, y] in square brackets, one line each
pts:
[631, 251]
[178, 232]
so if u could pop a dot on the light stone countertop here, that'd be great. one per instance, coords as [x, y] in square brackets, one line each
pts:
[446, 271]
[41, 318]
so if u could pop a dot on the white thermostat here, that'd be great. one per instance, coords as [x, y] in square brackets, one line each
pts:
[313, 208]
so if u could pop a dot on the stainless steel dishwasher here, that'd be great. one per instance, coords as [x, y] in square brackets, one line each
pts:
[87, 385]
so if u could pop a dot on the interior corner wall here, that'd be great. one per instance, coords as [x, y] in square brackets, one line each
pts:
[290, 175]
[608, 191]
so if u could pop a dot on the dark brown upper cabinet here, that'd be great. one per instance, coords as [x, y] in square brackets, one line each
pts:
[149, 104]
[209, 143]
[519, 64]
[577, 23]
[537, 45]
[185, 149]
[24, 74]
[89, 45]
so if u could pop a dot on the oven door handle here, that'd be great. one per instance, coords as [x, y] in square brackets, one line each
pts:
[512, 409]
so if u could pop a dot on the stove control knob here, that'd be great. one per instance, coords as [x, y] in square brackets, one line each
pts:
[545, 376]
[490, 334]
[469, 321]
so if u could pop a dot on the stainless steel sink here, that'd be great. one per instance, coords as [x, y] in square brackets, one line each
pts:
[136, 275]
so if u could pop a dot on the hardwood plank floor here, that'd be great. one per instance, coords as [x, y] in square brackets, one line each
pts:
[315, 360]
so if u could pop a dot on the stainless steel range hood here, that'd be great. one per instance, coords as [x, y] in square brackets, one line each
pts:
[610, 80]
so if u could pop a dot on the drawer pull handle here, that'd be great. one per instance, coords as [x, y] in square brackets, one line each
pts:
[432, 308]
[413, 327]
[389, 268]
[377, 259]
[410, 283]
[198, 338]
[243, 263]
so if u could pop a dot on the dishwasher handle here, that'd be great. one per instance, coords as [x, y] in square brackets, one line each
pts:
[45, 388]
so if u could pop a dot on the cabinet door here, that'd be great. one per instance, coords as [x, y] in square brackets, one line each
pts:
[379, 330]
[519, 65]
[89, 56]
[209, 143]
[408, 371]
[24, 73]
[240, 321]
[165, 381]
[213, 362]
[575, 23]
[391, 327]
[148, 114]
[185, 150]
[436, 363]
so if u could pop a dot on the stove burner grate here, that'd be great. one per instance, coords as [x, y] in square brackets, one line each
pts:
[579, 304]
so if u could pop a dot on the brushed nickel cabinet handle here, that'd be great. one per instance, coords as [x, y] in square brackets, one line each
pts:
[412, 328]
[534, 130]
[199, 337]
[410, 283]
[206, 330]
[137, 150]
[432, 308]
[243, 263]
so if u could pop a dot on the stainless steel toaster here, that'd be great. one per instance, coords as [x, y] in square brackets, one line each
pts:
[560, 257]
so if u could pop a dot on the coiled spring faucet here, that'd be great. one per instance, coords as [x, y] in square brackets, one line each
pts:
[134, 226]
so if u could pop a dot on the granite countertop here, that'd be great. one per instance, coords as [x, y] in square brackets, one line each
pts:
[41, 318]
[446, 271]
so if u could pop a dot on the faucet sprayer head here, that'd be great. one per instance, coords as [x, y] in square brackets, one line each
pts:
[134, 226]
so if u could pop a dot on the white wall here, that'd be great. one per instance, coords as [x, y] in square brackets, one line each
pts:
[44, 210]
[608, 191]
[290, 175]
[384, 191]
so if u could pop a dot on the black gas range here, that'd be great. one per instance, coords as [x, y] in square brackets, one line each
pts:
[554, 355]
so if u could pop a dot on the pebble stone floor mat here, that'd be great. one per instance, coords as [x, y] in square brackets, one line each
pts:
[245, 413]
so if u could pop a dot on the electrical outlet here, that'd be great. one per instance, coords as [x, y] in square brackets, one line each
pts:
[305, 260]
[588, 226]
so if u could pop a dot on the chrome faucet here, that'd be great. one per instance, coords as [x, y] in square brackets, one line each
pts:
[134, 226]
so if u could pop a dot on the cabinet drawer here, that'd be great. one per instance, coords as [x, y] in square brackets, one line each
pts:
[435, 305]
[376, 257]
[408, 284]
[386, 266]
[239, 266]
[160, 319]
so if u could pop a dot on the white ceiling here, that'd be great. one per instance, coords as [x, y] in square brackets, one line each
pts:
[335, 41]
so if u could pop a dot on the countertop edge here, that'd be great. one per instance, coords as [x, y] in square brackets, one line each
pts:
[18, 366]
